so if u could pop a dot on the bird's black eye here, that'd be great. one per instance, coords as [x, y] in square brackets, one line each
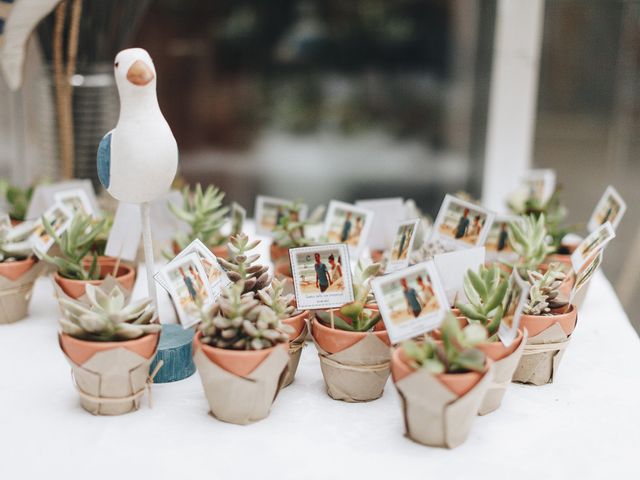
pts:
[116, 64]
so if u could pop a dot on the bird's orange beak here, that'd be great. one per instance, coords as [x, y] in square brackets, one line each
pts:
[139, 73]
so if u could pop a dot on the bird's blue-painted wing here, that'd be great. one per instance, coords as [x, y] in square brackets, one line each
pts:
[104, 160]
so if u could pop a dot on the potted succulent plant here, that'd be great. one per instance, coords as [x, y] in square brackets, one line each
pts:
[76, 265]
[486, 292]
[550, 321]
[203, 211]
[283, 305]
[291, 232]
[240, 351]
[17, 200]
[353, 345]
[528, 238]
[18, 270]
[110, 344]
[241, 266]
[442, 383]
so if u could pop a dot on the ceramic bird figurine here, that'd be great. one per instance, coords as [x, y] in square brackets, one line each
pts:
[137, 160]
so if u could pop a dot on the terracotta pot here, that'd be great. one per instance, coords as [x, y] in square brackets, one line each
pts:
[220, 252]
[333, 340]
[126, 275]
[297, 322]
[283, 270]
[497, 351]
[14, 270]
[82, 350]
[376, 255]
[458, 383]
[279, 253]
[238, 362]
[14, 222]
[537, 323]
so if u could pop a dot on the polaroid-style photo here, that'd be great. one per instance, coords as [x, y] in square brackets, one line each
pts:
[610, 208]
[188, 286]
[387, 213]
[411, 301]
[453, 266]
[497, 242]
[216, 275]
[586, 272]
[540, 183]
[346, 223]
[270, 210]
[402, 245]
[594, 242]
[321, 276]
[461, 224]
[59, 217]
[76, 200]
[238, 217]
[513, 305]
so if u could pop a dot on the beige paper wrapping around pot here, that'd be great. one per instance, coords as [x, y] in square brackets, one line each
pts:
[358, 373]
[541, 357]
[242, 400]
[295, 351]
[15, 295]
[433, 414]
[112, 382]
[502, 374]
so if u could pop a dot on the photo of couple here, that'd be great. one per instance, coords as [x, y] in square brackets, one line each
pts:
[320, 272]
[270, 212]
[498, 238]
[59, 217]
[400, 249]
[610, 208]
[347, 224]
[410, 297]
[462, 223]
[593, 243]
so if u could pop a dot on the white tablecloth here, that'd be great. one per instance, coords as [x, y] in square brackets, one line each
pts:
[586, 425]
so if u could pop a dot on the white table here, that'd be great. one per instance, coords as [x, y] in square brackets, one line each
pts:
[587, 425]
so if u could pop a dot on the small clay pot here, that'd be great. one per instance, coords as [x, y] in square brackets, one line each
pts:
[458, 383]
[298, 322]
[279, 254]
[334, 340]
[238, 362]
[14, 270]
[283, 270]
[497, 351]
[82, 350]
[538, 323]
[126, 275]
[16, 291]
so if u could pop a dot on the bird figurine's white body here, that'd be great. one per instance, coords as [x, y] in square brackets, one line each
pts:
[137, 160]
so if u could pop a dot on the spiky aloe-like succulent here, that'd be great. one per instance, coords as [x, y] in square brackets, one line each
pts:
[485, 291]
[544, 294]
[14, 241]
[17, 198]
[75, 244]
[205, 214]
[291, 230]
[456, 353]
[361, 318]
[528, 238]
[238, 321]
[241, 266]
[107, 317]
[274, 297]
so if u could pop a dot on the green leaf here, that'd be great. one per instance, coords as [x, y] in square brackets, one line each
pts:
[470, 311]
[471, 359]
[497, 296]
[478, 284]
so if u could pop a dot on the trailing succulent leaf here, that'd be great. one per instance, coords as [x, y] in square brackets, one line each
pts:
[17, 198]
[274, 297]
[14, 241]
[241, 266]
[239, 322]
[205, 214]
[456, 353]
[485, 291]
[544, 294]
[529, 239]
[360, 318]
[75, 244]
[290, 232]
[108, 317]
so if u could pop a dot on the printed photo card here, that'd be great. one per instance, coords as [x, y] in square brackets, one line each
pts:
[411, 301]
[321, 276]
[348, 224]
[610, 208]
[513, 305]
[59, 218]
[402, 245]
[497, 242]
[461, 224]
[269, 211]
[593, 243]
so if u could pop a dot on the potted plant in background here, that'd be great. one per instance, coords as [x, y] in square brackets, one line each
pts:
[353, 345]
[486, 292]
[528, 238]
[18, 270]
[550, 321]
[76, 265]
[17, 200]
[204, 213]
[240, 351]
[442, 384]
[110, 344]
